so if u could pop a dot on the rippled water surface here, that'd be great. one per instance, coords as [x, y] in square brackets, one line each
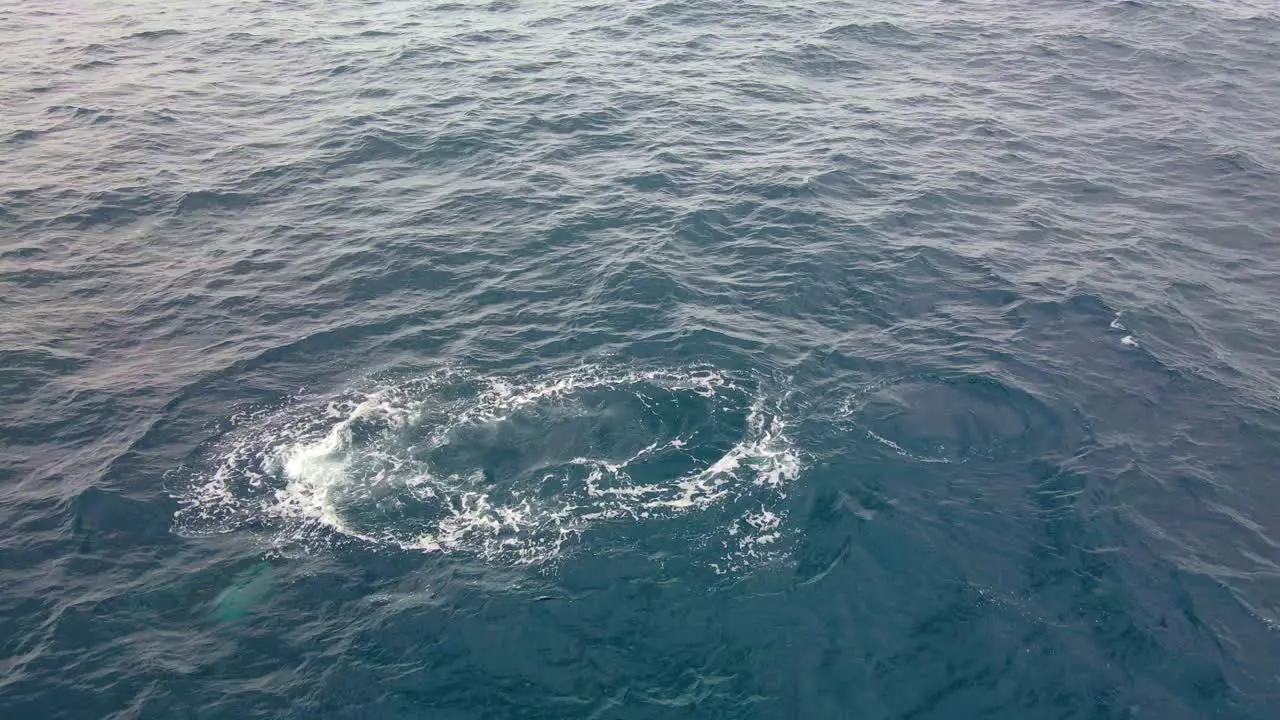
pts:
[685, 359]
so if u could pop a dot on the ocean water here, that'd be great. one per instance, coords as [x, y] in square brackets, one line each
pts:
[600, 359]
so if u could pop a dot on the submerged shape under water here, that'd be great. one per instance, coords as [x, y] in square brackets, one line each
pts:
[246, 591]
[648, 359]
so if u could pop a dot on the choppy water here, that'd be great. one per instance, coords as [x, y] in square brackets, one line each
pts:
[566, 359]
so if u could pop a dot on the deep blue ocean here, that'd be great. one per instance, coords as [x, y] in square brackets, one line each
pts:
[623, 360]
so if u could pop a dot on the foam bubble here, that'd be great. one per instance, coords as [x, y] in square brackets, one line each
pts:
[507, 469]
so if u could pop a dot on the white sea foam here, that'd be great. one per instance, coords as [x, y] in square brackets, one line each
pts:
[357, 467]
[1128, 340]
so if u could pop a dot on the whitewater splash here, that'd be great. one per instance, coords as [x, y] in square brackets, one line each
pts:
[506, 469]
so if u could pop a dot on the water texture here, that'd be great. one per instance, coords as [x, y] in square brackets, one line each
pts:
[686, 359]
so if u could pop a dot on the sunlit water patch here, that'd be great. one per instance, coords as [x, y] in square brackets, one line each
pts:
[507, 469]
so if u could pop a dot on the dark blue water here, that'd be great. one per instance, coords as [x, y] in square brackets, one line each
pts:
[686, 359]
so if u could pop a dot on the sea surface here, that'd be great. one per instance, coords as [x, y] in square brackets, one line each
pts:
[602, 359]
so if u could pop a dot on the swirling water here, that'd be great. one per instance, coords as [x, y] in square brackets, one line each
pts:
[694, 358]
